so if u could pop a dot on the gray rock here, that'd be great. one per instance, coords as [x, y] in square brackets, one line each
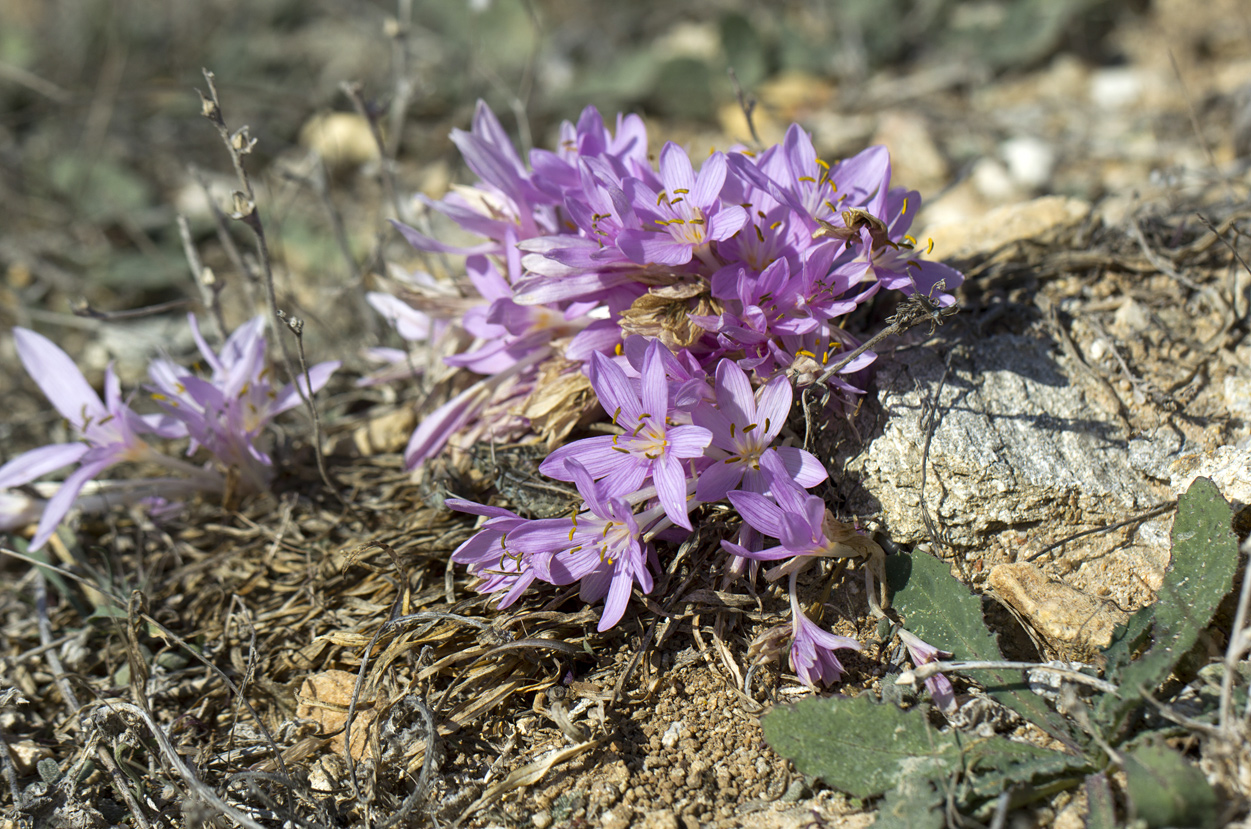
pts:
[1022, 438]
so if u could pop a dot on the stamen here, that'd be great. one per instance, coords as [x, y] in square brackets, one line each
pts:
[747, 429]
[660, 197]
[731, 428]
[911, 240]
[904, 209]
[682, 190]
[930, 247]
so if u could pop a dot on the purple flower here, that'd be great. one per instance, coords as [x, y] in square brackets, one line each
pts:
[601, 546]
[797, 519]
[226, 412]
[923, 653]
[743, 430]
[684, 216]
[651, 446]
[489, 555]
[108, 431]
[812, 649]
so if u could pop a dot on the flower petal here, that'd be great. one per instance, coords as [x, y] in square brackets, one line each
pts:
[60, 503]
[36, 463]
[614, 390]
[671, 489]
[58, 378]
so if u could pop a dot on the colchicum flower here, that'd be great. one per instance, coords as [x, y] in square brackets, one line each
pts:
[224, 414]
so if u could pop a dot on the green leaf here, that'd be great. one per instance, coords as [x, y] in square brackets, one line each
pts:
[943, 612]
[858, 746]
[915, 803]
[1166, 790]
[1205, 556]
[997, 763]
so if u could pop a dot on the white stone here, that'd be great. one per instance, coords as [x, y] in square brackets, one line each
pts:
[992, 180]
[672, 734]
[1115, 88]
[1030, 160]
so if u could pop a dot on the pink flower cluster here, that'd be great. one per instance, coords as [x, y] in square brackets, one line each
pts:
[694, 302]
[224, 414]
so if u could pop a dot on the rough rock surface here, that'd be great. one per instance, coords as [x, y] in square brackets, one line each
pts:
[1020, 439]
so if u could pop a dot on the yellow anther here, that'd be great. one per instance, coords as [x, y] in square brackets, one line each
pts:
[618, 350]
[904, 209]
[930, 247]
[911, 240]
[749, 427]
[660, 197]
[806, 353]
[682, 190]
[807, 178]
[823, 164]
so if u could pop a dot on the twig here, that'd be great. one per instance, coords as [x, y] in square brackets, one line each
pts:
[1194, 124]
[85, 310]
[1235, 650]
[1152, 513]
[70, 699]
[239, 144]
[385, 174]
[914, 310]
[297, 328]
[748, 105]
[929, 424]
[170, 754]
[225, 239]
[930, 669]
[205, 280]
[427, 767]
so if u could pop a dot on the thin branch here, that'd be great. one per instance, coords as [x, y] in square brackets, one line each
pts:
[205, 280]
[1152, 513]
[239, 144]
[748, 105]
[930, 669]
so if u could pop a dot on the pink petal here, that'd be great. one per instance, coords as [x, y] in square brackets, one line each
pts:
[676, 170]
[614, 391]
[773, 407]
[718, 480]
[711, 179]
[58, 378]
[671, 489]
[803, 467]
[618, 598]
[60, 503]
[36, 463]
[734, 394]
[655, 386]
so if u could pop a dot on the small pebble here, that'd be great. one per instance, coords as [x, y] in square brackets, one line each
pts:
[541, 820]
